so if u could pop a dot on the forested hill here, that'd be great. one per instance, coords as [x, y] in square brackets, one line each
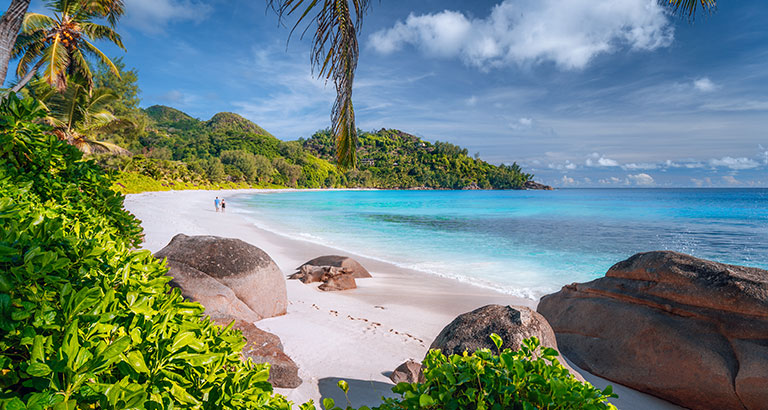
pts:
[230, 148]
[398, 159]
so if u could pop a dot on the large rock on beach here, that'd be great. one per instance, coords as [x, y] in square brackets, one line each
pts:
[245, 269]
[265, 347]
[472, 331]
[340, 281]
[688, 330]
[218, 299]
[352, 266]
[408, 372]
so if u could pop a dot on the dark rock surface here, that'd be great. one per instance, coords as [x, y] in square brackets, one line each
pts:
[265, 347]
[471, 331]
[536, 185]
[688, 330]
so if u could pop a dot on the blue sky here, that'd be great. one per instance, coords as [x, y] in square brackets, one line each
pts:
[600, 93]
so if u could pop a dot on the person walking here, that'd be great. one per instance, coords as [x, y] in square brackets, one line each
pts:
[223, 205]
[216, 203]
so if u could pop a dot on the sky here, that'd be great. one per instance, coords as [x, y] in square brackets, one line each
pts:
[581, 93]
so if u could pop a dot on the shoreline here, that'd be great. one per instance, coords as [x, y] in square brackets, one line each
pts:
[358, 335]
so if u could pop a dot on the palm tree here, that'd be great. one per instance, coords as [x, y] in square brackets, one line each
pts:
[689, 7]
[61, 43]
[11, 21]
[79, 113]
[334, 56]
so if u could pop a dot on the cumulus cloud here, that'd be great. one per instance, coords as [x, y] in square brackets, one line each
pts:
[764, 154]
[639, 166]
[610, 181]
[569, 33]
[597, 160]
[566, 180]
[641, 179]
[702, 182]
[731, 180]
[704, 84]
[151, 16]
[567, 165]
[734, 163]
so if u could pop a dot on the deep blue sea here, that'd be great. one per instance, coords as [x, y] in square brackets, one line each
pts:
[527, 243]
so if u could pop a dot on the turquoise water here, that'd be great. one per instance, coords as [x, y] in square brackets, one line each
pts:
[526, 243]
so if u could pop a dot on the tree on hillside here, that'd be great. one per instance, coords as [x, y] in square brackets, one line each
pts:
[334, 56]
[61, 43]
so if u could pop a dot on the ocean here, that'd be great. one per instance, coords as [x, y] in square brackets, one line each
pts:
[525, 243]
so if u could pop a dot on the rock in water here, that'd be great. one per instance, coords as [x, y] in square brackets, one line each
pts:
[352, 266]
[247, 270]
[690, 331]
[472, 331]
[408, 372]
[265, 347]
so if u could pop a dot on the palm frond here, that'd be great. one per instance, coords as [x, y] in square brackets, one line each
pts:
[37, 22]
[334, 55]
[112, 10]
[689, 7]
[31, 53]
[91, 49]
[58, 60]
[80, 68]
[100, 32]
[89, 146]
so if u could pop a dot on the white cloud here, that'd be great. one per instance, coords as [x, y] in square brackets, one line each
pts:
[151, 16]
[567, 165]
[566, 180]
[764, 154]
[704, 84]
[734, 163]
[526, 122]
[472, 101]
[569, 33]
[641, 179]
[731, 180]
[639, 166]
[598, 160]
[610, 181]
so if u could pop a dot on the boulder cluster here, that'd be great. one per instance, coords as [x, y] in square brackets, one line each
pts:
[333, 272]
[687, 330]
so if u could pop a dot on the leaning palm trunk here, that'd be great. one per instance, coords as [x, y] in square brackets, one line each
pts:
[27, 77]
[10, 24]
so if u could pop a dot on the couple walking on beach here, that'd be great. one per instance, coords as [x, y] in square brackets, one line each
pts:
[219, 203]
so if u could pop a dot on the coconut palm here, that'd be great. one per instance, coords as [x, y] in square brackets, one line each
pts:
[79, 113]
[61, 43]
[689, 7]
[11, 21]
[334, 56]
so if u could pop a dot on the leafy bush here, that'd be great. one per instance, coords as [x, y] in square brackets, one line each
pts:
[85, 321]
[528, 379]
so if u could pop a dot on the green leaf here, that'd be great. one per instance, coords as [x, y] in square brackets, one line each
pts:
[343, 386]
[38, 370]
[425, 400]
[497, 340]
[136, 361]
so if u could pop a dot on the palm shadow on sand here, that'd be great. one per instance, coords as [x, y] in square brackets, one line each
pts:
[361, 392]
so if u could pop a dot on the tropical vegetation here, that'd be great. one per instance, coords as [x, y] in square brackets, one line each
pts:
[87, 321]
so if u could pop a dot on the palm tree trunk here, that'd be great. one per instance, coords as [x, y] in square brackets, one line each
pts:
[31, 73]
[10, 24]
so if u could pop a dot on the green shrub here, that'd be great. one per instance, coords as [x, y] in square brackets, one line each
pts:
[528, 379]
[85, 320]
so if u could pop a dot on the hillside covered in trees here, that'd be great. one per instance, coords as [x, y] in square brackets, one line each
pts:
[175, 147]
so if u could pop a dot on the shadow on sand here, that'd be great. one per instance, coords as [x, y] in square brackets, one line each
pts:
[361, 392]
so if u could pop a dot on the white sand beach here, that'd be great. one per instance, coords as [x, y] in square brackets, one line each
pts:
[358, 335]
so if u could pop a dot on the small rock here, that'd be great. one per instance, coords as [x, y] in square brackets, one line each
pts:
[408, 372]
